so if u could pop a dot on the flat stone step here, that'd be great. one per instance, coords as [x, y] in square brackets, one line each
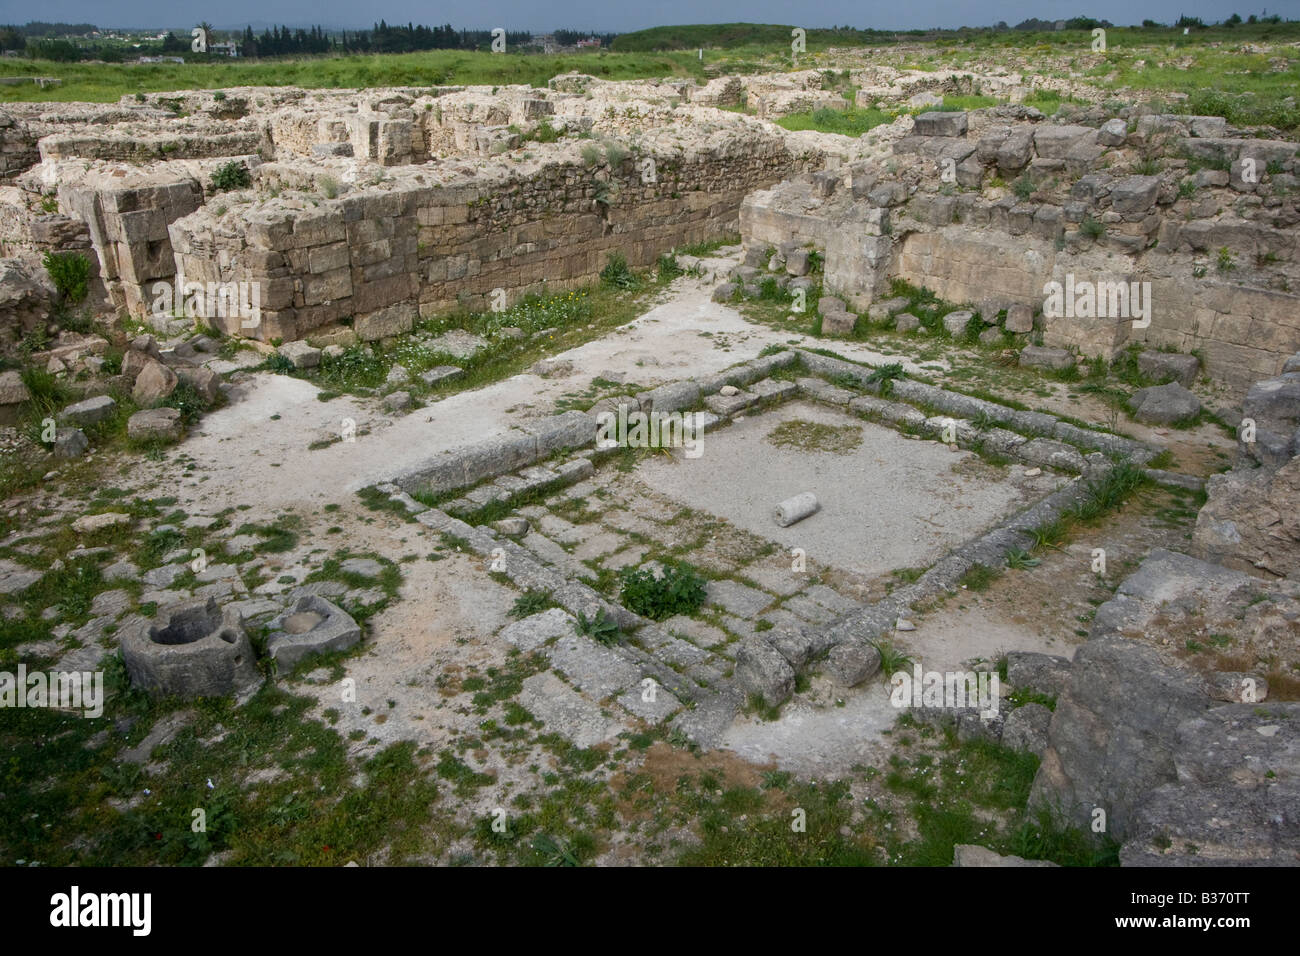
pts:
[566, 712]
[593, 668]
[705, 724]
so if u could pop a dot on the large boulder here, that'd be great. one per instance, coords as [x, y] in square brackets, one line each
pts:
[154, 424]
[204, 381]
[1169, 366]
[70, 443]
[1041, 673]
[1020, 319]
[850, 664]
[1273, 405]
[1236, 797]
[1251, 519]
[1134, 195]
[939, 123]
[92, 411]
[761, 670]
[154, 383]
[13, 393]
[1174, 593]
[26, 298]
[1036, 356]
[1114, 734]
[955, 322]
[1167, 404]
[1026, 727]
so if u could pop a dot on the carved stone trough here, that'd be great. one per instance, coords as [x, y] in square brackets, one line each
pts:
[312, 626]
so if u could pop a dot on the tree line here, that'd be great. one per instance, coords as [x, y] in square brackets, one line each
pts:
[48, 41]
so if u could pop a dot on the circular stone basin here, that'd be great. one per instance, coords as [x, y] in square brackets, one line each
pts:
[187, 624]
[192, 649]
[302, 622]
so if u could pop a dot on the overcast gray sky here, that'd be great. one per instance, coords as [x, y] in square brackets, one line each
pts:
[604, 15]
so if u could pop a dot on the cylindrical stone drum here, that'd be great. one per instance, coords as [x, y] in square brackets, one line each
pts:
[795, 509]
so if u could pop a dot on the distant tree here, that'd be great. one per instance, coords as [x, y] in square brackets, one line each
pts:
[12, 38]
[1233, 20]
[60, 50]
[1151, 24]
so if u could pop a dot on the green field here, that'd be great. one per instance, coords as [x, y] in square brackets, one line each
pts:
[108, 82]
[1221, 69]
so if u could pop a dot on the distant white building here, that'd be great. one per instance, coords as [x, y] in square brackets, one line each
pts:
[161, 59]
[226, 48]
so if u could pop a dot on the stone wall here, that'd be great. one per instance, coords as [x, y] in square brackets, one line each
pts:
[1245, 334]
[385, 254]
[145, 147]
[126, 214]
[1207, 219]
[18, 151]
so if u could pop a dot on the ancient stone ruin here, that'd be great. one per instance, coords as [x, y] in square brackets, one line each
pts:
[360, 398]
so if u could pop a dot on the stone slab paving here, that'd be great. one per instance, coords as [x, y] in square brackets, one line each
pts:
[659, 707]
[737, 598]
[533, 631]
[595, 670]
[566, 712]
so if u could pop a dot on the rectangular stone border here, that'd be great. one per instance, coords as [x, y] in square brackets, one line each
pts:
[714, 702]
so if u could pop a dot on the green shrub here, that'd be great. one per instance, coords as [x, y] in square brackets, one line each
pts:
[186, 400]
[590, 154]
[544, 133]
[885, 375]
[1023, 187]
[679, 589]
[601, 629]
[233, 175]
[531, 602]
[615, 153]
[70, 273]
[892, 660]
[280, 365]
[1093, 228]
[617, 273]
[668, 267]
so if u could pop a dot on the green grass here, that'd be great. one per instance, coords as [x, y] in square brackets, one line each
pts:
[979, 577]
[74, 801]
[768, 835]
[566, 319]
[105, 83]
[847, 122]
